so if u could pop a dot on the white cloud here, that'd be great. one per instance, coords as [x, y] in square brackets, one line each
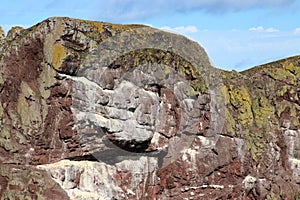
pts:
[262, 29]
[242, 49]
[271, 30]
[297, 31]
[259, 28]
[181, 29]
[188, 29]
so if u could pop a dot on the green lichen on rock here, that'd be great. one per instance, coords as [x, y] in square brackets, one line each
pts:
[297, 195]
[241, 101]
[102, 30]
[167, 62]
[6, 143]
[29, 107]
[5, 134]
[287, 73]
[230, 123]
[263, 112]
[274, 97]
[259, 100]
[21, 183]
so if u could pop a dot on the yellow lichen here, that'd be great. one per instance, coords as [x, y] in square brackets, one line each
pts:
[229, 123]
[100, 29]
[262, 111]
[288, 66]
[287, 73]
[282, 90]
[4, 134]
[225, 93]
[58, 55]
[6, 144]
[54, 51]
[254, 143]
[240, 99]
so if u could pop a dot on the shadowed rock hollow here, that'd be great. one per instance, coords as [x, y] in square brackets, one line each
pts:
[92, 110]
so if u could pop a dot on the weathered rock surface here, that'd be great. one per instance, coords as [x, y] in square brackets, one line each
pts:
[27, 182]
[93, 110]
[2, 36]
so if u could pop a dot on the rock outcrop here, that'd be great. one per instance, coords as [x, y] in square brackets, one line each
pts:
[92, 110]
[2, 35]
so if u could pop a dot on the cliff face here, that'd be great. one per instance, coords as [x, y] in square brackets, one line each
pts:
[93, 110]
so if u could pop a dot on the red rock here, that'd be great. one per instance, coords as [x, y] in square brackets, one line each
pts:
[142, 115]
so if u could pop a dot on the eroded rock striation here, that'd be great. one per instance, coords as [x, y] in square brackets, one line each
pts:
[92, 110]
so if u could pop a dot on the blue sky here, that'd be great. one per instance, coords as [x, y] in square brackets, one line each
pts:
[236, 34]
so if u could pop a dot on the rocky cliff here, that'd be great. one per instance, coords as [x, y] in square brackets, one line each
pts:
[92, 110]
